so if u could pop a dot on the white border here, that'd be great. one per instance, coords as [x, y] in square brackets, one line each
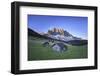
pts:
[26, 65]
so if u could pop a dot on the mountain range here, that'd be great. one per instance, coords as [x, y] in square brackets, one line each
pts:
[60, 34]
[57, 36]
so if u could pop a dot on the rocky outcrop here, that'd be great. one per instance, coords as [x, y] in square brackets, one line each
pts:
[56, 31]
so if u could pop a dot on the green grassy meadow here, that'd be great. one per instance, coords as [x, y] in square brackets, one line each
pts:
[36, 51]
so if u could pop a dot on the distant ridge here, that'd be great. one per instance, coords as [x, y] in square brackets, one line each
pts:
[76, 42]
[60, 34]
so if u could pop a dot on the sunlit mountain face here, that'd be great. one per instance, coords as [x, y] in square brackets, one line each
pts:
[60, 34]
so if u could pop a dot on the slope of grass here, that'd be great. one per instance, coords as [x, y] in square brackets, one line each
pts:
[36, 51]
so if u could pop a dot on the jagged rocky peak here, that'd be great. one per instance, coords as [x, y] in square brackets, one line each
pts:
[56, 31]
[59, 31]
